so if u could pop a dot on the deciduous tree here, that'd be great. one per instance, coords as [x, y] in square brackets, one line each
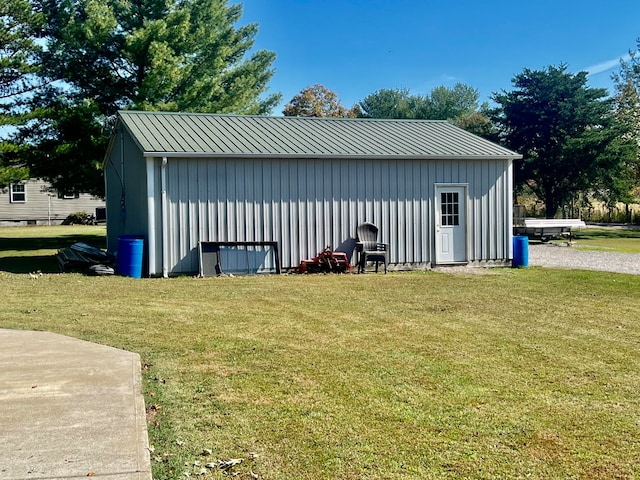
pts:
[316, 101]
[627, 107]
[389, 103]
[627, 83]
[479, 123]
[452, 103]
[458, 103]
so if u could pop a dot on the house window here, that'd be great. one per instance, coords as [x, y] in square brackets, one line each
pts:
[68, 195]
[18, 193]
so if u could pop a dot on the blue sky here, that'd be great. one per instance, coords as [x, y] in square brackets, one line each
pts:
[356, 47]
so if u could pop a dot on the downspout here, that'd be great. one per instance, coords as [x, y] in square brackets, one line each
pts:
[509, 232]
[164, 233]
[151, 214]
[123, 208]
[122, 156]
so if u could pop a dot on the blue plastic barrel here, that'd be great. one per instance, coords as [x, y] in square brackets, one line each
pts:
[520, 251]
[129, 263]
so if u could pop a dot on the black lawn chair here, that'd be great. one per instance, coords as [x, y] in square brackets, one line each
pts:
[368, 247]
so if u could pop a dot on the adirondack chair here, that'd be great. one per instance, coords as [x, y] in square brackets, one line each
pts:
[368, 247]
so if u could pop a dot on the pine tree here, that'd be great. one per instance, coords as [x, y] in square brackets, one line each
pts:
[106, 55]
[20, 25]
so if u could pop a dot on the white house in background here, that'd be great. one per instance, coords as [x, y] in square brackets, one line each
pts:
[33, 202]
[439, 194]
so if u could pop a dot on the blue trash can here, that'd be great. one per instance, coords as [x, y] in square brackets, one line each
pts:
[520, 251]
[130, 250]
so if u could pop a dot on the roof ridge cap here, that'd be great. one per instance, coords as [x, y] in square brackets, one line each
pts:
[281, 117]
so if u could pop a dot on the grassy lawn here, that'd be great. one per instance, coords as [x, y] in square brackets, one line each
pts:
[31, 249]
[525, 373]
[623, 240]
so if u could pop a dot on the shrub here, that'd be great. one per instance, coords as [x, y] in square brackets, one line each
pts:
[79, 218]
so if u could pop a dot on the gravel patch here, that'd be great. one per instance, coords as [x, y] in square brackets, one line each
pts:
[564, 256]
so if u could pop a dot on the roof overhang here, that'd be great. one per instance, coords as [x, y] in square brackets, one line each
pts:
[315, 156]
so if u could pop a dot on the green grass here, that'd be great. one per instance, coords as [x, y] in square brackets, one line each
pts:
[29, 249]
[526, 373]
[621, 240]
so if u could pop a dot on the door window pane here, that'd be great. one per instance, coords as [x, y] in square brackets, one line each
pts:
[450, 208]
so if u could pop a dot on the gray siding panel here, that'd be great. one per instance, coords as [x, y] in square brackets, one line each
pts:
[307, 205]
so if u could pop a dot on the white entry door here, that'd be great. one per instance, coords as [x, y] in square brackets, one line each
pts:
[451, 224]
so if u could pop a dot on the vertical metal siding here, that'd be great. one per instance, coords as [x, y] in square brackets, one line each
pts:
[307, 205]
[490, 210]
[131, 182]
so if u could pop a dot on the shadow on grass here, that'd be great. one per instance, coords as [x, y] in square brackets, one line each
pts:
[50, 243]
[42, 263]
[22, 262]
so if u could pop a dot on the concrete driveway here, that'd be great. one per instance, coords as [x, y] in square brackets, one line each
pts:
[70, 409]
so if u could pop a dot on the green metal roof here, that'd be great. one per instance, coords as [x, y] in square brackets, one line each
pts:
[192, 134]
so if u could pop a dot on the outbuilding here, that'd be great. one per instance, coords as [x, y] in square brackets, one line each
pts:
[282, 189]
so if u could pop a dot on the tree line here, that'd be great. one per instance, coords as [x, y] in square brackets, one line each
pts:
[577, 142]
[68, 66]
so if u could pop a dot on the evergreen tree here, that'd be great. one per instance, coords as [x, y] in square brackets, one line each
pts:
[566, 132]
[20, 25]
[106, 55]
